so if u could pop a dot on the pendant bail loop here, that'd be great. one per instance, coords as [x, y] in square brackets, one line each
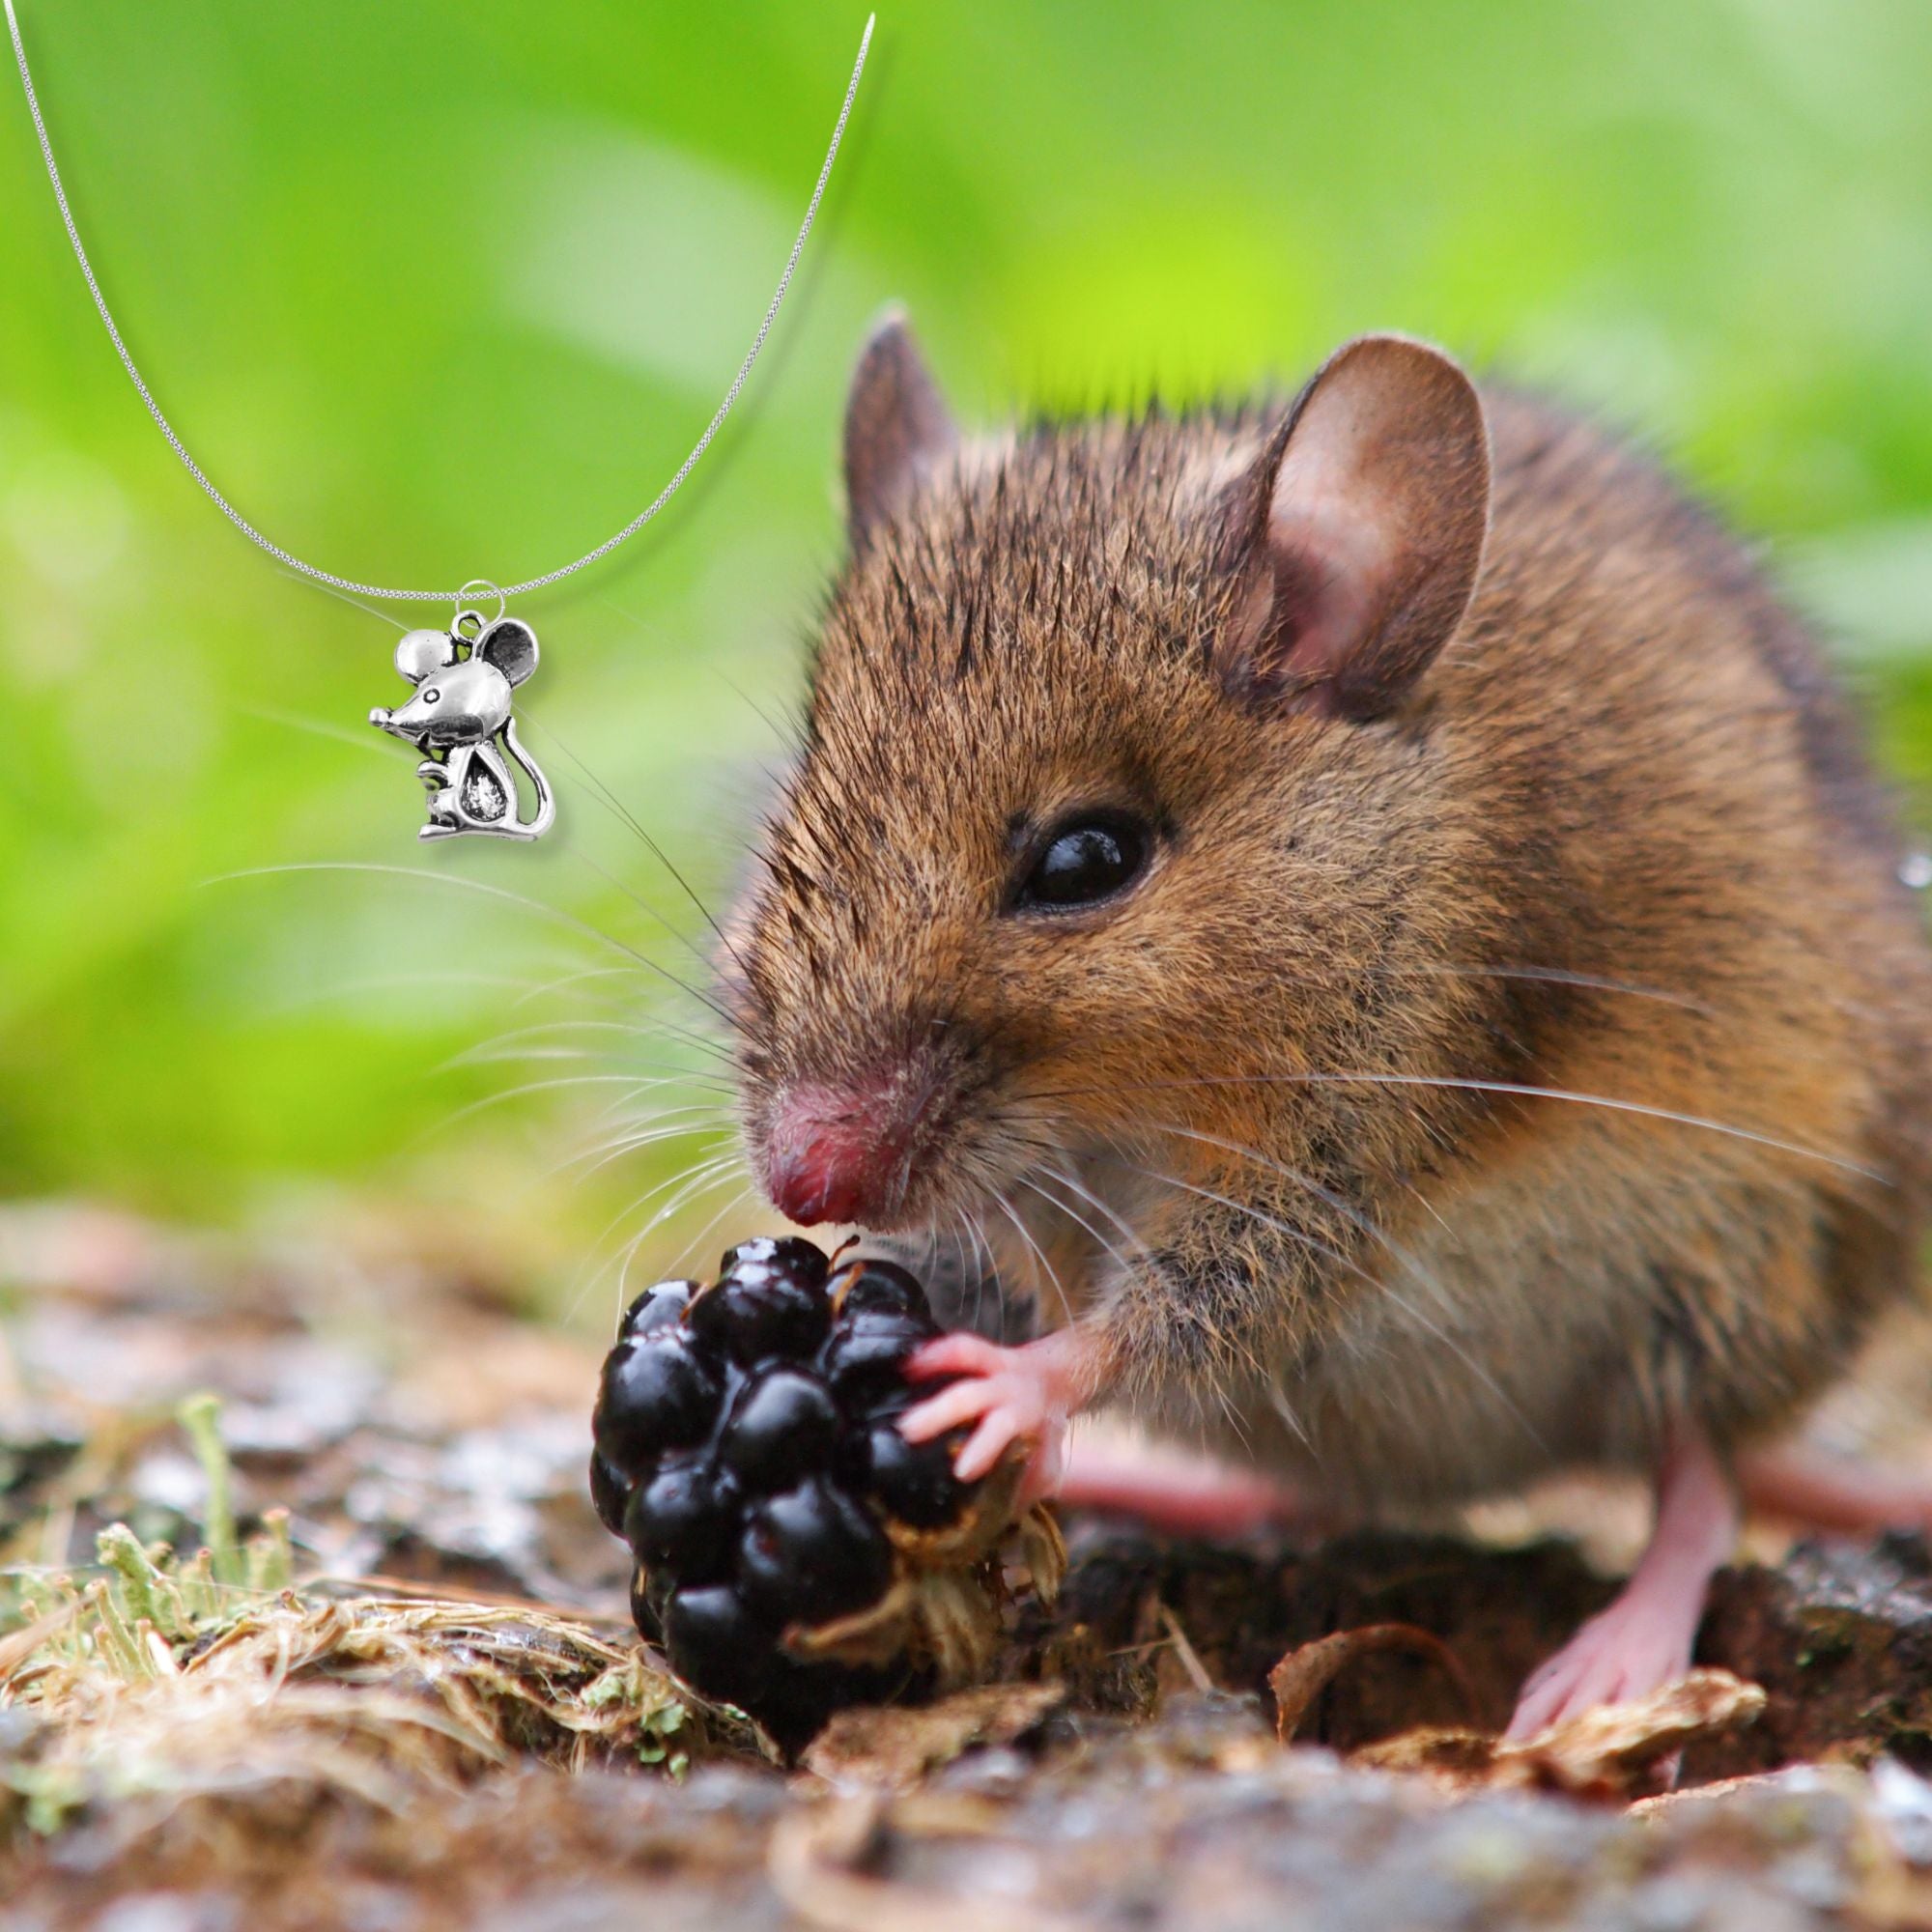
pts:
[488, 589]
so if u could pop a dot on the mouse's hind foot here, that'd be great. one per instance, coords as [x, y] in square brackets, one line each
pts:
[1643, 1639]
[1182, 1494]
[1812, 1489]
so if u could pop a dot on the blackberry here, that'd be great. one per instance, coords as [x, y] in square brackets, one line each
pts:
[769, 1303]
[659, 1393]
[813, 1554]
[913, 1481]
[656, 1307]
[683, 1519]
[747, 1450]
[609, 1494]
[785, 1422]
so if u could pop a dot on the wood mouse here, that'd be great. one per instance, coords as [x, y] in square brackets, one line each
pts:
[1374, 912]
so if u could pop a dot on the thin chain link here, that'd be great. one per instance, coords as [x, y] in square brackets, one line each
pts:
[349, 583]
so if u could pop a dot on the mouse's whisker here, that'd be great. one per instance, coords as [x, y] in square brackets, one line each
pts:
[1449, 1083]
[693, 1249]
[359, 985]
[1233, 1420]
[709, 1104]
[644, 1130]
[1301, 1237]
[669, 1123]
[573, 980]
[1429, 1207]
[612, 803]
[1047, 1275]
[681, 1187]
[718, 1176]
[521, 1091]
[515, 1056]
[620, 1117]
[593, 1161]
[716, 1092]
[619, 1256]
[1277, 1400]
[954, 1231]
[1409, 1263]
[790, 734]
[991, 1270]
[1548, 976]
[1327, 1196]
[645, 906]
[348, 597]
[536, 908]
[572, 990]
[1062, 1210]
[979, 1295]
[982, 1178]
[1061, 1179]
[548, 1041]
[1338, 971]
[949, 1228]
[659, 1027]
[682, 1177]
[317, 727]
[504, 1046]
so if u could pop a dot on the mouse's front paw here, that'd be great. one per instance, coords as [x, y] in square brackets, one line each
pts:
[1025, 1395]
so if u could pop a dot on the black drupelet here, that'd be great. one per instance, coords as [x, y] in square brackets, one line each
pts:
[747, 1450]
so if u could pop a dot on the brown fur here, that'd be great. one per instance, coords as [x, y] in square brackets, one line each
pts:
[1617, 842]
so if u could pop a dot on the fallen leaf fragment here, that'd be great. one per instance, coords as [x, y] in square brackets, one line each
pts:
[1615, 1744]
[893, 1747]
[1614, 1752]
[1305, 1672]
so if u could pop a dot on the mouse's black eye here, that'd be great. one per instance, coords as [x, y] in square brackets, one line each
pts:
[1083, 860]
[431, 695]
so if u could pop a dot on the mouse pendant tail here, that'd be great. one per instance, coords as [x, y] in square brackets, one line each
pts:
[461, 716]
[474, 791]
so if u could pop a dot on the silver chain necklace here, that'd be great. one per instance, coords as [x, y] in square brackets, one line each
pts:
[466, 677]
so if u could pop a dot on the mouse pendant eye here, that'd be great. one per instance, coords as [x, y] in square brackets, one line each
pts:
[1084, 859]
[432, 695]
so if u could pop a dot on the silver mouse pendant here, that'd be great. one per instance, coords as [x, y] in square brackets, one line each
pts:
[460, 715]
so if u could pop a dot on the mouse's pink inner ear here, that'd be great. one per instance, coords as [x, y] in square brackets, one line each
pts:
[511, 646]
[1358, 532]
[420, 652]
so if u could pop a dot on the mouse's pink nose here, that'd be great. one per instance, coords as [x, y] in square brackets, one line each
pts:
[837, 1153]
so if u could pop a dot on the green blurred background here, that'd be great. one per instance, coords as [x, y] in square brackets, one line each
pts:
[437, 290]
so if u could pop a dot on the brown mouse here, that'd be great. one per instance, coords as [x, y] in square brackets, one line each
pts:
[1378, 915]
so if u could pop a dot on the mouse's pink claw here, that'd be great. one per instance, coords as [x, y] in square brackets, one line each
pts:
[1025, 1395]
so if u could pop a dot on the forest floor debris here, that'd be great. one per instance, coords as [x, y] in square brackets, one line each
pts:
[343, 1642]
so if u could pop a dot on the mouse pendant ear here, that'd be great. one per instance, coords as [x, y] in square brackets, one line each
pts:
[511, 645]
[1357, 533]
[420, 652]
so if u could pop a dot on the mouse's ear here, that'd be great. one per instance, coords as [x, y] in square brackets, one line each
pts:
[420, 652]
[511, 646]
[897, 427]
[1357, 532]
